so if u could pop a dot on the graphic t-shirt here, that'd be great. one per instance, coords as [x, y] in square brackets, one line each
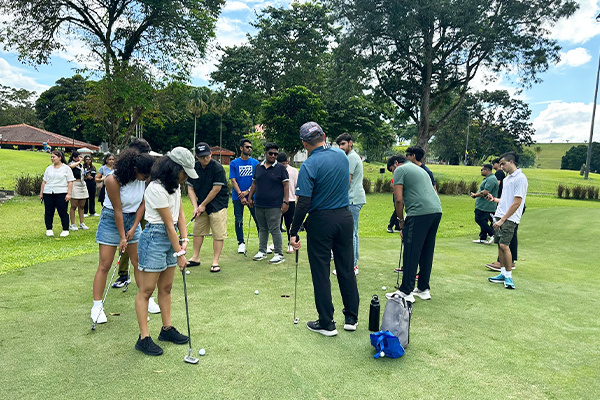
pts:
[242, 171]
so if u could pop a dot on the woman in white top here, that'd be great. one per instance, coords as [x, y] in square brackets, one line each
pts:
[80, 192]
[159, 249]
[119, 224]
[55, 193]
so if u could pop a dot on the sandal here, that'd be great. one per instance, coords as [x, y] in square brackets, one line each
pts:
[397, 270]
[193, 263]
[215, 268]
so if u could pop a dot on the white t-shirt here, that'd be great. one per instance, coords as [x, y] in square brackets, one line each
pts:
[156, 196]
[514, 185]
[293, 174]
[57, 179]
[131, 194]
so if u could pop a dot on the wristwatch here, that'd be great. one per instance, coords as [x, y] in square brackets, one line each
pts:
[287, 202]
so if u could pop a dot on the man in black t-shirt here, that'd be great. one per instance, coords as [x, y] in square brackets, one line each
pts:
[209, 197]
[499, 175]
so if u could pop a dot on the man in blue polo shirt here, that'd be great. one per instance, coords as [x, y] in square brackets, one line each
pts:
[322, 192]
[270, 184]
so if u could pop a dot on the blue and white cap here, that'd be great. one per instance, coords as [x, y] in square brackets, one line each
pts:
[309, 131]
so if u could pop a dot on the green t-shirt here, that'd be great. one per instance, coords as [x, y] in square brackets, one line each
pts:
[420, 198]
[356, 192]
[490, 183]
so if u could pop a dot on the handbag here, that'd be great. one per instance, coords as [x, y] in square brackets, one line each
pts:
[386, 344]
[396, 319]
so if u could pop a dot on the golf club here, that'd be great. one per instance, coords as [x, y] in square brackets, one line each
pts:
[106, 291]
[188, 359]
[296, 320]
[287, 283]
[128, 281]
[399, 265]
[248, 236]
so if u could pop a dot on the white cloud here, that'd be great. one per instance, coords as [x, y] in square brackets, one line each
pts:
[561, 121]
[14, 77]
[580, 27]
[574, 58]
[235, 6]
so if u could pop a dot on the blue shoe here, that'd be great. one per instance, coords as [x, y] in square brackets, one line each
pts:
[498, 279]
[508, 283]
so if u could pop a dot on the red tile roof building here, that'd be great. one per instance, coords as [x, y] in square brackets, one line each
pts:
[26, 135]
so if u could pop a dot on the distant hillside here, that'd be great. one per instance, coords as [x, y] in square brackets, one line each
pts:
[551, 153]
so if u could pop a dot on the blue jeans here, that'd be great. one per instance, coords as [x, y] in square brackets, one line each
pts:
[238, 212]
[355, 210]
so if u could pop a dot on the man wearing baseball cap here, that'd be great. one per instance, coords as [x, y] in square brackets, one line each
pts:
[322, 192]
[208, 194]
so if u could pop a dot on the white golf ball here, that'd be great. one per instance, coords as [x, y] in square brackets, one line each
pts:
[382, 354]
[148, 318]
[256, 292]
[187, 272]
[202, 352]
[383, 288]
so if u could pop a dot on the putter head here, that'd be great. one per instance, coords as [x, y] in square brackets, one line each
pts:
[285, 295]
[190, 360]
[94, 327]
[296, 320]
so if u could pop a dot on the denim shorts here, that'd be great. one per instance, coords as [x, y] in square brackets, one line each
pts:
[155, 252]
[108, 233]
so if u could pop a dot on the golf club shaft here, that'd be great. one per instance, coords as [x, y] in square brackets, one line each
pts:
[187, 313]
[399, 264]
[296, 284]
[106, 290]
[248, 236]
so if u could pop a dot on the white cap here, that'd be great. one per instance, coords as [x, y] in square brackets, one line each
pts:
[185, 158]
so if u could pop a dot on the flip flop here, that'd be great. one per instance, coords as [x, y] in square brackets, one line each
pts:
[396, 270]
[193, 263]
[215, 268]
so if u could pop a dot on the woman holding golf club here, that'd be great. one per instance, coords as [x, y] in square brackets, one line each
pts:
[119, 225]
[159, 250]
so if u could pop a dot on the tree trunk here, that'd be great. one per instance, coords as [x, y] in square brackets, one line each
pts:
[426, 76]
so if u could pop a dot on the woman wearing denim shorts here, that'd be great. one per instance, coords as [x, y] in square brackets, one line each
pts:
[159, 249]
[119, 225]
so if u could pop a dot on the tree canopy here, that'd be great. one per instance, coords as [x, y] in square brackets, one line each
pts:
[422, 53]
[16, 107]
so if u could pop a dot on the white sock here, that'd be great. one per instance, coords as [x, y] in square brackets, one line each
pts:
[503, 271]
[508, 274]
[97, 303]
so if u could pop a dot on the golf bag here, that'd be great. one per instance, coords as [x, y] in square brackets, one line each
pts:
[396, 319]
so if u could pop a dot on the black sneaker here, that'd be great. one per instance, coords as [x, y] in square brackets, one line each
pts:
[350, 323]
[148, 347]
[121, 281]
[315, 326]
[172, 335]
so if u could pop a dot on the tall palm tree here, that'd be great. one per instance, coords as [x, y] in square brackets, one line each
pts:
[197, 106]
[220, 103]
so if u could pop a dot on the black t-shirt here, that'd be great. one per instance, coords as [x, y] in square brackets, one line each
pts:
[77, 172]
[269, 185]
[212, 175]
[500, 176]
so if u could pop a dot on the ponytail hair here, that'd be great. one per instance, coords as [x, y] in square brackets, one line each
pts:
[129, 163]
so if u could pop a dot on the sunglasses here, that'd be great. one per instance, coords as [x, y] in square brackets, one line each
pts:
[272, 153]
[248, 147]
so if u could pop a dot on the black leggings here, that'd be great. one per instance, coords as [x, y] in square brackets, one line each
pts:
[56, 201]
[287, 217]
[90, 202]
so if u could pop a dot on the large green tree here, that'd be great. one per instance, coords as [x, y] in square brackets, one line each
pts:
[17, 107]
[125, 37]
[422, 53]
[576, 156]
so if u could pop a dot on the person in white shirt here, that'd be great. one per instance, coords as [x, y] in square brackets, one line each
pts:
[119, 225]
[160, 249]
[55, 192]
[508, 215]
[288, 216]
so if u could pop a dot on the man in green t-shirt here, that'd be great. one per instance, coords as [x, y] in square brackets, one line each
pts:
[483, 208]
[414, 194]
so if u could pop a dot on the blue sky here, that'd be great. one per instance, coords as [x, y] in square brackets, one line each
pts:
[561, 105]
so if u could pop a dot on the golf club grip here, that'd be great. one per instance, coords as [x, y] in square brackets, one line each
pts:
[296, 256]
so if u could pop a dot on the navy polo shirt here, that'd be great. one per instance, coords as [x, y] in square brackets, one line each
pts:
[212, 175]
[324, 177]
[269, 185]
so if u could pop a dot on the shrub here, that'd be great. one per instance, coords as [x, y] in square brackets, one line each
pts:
[576, 192]
[567, 192]
[560, 190]
[383, 186]
[473, 187]
[367, 185]
[26, 185]
[461, 187]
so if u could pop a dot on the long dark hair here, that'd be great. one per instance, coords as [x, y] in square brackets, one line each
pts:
[106, 157]
[166, 171]
[60, 155]
[89, 166]
[74, 154]
[131, 161]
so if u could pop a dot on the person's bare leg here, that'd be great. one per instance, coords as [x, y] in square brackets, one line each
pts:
[80, 210]
[505, 257]
[217, 249]
[198, 240]
[133, 259]
[72, 210]
[106, 255]
[165, 283]
[146, 282]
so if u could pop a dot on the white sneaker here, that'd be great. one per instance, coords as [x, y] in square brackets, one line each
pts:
[356, 270]
[480, 241]
[96, 215]
[73, 227]
[64, 234]
[422, 294]
[490, 240]
[277, 259]
[85, 215]
[97, 315]
[270, 248]
[241, 248]
[334, 272]
[153, 308]
[49, 233]
[259, 256]
[408, 297]
[83, 226]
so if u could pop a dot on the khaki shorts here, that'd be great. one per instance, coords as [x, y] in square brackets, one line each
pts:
[217, 222]
[506, 232]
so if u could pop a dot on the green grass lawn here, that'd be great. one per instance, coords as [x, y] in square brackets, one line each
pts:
[473, 340]
[551, 153]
